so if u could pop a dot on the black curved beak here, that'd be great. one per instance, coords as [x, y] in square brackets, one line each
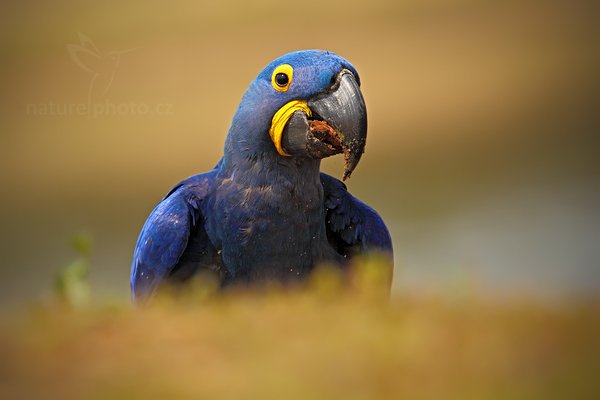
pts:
[338, 124]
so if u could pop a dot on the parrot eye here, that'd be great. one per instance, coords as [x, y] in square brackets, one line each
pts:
[282, 77]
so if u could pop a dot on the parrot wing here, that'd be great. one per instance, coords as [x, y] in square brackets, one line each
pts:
[173, 243]
[352, 226]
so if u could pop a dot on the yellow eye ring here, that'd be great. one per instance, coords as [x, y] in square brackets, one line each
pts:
[282, 77]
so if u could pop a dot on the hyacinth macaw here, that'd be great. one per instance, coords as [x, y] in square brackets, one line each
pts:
[266, 212]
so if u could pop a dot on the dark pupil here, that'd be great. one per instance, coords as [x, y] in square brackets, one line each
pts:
[281, 79]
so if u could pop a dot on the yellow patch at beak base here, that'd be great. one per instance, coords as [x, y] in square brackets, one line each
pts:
[281, 118]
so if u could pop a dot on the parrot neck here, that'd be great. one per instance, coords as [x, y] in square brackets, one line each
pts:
[250, 157]
[269, 169]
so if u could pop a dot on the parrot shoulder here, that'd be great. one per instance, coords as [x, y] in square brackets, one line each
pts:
[171, 236]
[352, 226]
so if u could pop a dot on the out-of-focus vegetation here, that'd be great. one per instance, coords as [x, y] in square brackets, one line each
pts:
[71, 285]
[322, 341]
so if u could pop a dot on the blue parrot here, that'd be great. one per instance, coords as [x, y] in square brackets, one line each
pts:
[266, 212]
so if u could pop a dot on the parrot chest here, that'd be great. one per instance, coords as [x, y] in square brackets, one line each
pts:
[272, 233]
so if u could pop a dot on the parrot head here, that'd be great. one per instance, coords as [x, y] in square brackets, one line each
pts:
[305, 104]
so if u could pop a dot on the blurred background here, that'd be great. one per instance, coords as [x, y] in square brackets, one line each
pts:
[483, 130]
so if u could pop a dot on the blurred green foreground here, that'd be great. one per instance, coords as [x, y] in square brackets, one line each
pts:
[319, 342]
